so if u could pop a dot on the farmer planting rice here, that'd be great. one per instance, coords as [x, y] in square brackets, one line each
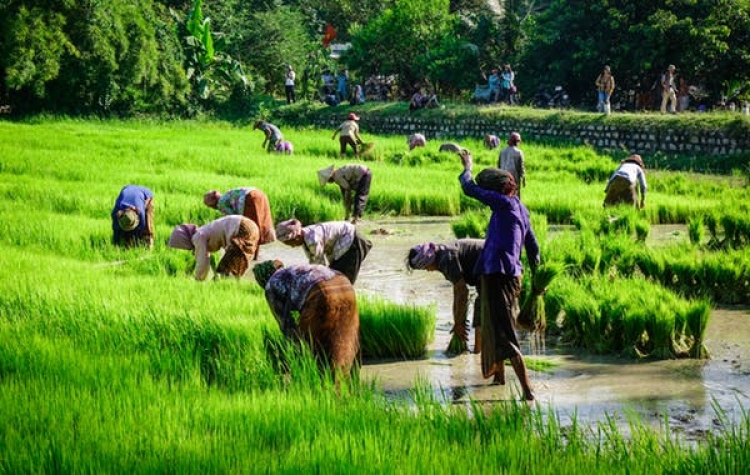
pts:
[456, 261]
[237, 235]
[354, 181]
[327, 305]
[133, 217]
[272, 135]
[249, 202]
[499, 269]
[348, 133]
[416, 140]
[623, 185]
[337, 244]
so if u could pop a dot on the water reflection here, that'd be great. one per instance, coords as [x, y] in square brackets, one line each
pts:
[588, 388]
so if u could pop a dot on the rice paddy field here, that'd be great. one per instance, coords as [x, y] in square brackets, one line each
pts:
[118, 361]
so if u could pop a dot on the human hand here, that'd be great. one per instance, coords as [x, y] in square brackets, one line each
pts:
[466, 159]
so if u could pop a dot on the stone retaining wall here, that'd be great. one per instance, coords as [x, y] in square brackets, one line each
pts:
[648, 139]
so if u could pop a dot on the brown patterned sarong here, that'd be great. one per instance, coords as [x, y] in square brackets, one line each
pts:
[329, 321]
[240, 250]
[621, 191]
[258, 209]
[499, 303]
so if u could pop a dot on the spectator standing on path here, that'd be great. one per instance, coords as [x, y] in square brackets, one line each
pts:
[342, 84]
[289, 78]
[668, 91]
[272, 135]
[506, 83]
[605, 85]
[133, 217]
[622, 187]
[511, 160]
[493, 82]
[499, 269]
[354, 181]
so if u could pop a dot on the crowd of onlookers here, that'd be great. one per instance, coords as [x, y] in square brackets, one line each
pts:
[667, 94]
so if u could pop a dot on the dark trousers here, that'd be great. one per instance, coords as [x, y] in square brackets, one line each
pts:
[290, 95]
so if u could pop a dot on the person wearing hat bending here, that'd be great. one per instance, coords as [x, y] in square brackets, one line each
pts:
[354, 181]
[623, 185]
[249, 202]
[272, 134]
[133, 217]
[348, 133]
[337, 244]
[499, 269]
[327, 306]
[511, 160]
[456, 262]
[237, 235]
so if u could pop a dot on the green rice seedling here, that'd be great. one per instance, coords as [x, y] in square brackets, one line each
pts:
[390, 330]
[532, 316]
[696, 230]
[471, 224]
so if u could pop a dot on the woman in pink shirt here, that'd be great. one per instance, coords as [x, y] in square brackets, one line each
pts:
[237, 235]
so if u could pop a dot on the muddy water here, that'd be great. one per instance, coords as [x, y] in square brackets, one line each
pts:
[684, 393]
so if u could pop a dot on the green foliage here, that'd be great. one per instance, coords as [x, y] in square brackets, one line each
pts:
[399, 40]
[388, 330]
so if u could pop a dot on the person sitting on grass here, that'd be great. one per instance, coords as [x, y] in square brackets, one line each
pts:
[421, 100]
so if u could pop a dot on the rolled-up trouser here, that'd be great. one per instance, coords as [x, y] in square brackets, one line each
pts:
[362, 194]
[345, 140]
[621, 191]
[240, 250]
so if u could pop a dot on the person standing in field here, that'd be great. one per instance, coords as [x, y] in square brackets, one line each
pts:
[327, 306]
[272, 135]
[511, 160]
[337, 244]
[133, 217]
[249, 202]
[456, 261]
[348, 133]
[625, 182]
[499, 269]
[354, 181]
[605, 86]
[237, 235]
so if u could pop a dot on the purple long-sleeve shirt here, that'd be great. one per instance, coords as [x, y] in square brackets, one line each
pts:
[509, 230]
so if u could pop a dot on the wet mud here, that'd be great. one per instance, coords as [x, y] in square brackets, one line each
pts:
[690, 396]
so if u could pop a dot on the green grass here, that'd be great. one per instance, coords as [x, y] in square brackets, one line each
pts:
[117, 361]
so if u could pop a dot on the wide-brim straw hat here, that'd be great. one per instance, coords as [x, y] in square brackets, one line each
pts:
[324, 175]
[128, 220]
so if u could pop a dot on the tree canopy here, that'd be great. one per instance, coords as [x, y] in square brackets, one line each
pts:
[142, 56]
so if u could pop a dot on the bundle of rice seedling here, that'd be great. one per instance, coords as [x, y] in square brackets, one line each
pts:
[532, 316]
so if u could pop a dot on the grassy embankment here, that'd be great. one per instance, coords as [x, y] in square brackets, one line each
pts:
[115, 361]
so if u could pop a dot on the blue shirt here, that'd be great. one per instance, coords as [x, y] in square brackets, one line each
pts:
[135, 196]
[509, 230]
